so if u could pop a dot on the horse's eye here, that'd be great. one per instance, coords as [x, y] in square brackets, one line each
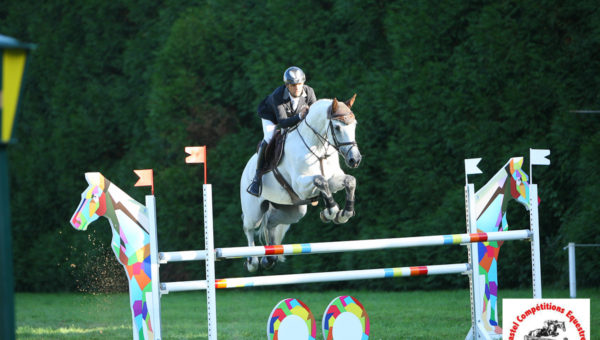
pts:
[338, 128]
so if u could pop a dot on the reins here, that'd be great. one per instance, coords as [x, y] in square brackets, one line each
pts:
[325, 142]
[322, 140]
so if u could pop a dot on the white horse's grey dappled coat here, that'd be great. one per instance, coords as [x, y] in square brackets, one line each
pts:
[328, 130]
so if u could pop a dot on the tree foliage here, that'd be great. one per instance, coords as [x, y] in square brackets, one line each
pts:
[116, 86]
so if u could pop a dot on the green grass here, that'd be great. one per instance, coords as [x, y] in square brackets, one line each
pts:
[242, 314]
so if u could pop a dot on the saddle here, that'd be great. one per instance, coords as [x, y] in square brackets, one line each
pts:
[274, 151]
[273, 155]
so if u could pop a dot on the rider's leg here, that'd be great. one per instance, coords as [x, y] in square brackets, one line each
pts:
[268, 129]
[255, 187]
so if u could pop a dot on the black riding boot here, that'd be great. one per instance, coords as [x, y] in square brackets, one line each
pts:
[255, 187]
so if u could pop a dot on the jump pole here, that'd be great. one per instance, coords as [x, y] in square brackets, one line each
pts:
[211, 295]
[345, 246]
[536, 157]
[477, 330]
[536, 270]
[197, 154]
[154, 267]
[272, 280]
[572, 270]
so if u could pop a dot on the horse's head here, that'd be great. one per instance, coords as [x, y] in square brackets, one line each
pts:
[342, 124]
[93, 202]
[519, 181]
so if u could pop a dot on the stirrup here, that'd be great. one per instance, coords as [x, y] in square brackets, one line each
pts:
[255, 188]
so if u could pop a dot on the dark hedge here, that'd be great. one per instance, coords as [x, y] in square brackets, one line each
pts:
[116, 86]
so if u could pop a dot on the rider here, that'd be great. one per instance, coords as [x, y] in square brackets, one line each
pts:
[283, 108]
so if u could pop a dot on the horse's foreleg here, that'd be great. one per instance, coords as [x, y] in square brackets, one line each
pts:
[349, 183]
[331, 207]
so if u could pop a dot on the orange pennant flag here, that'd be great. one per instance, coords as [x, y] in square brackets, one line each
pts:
[197, 154]
[146, 178]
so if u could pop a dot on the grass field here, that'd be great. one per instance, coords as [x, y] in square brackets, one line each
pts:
[242, 314]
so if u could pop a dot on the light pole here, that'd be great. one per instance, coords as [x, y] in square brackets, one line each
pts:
[13, 55]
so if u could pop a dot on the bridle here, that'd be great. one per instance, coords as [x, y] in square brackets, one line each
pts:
[336, 144]
[325, 139]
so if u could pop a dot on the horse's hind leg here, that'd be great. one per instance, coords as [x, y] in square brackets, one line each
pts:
[275, 237]
[280, 219]
[251, 262]
[252, 218]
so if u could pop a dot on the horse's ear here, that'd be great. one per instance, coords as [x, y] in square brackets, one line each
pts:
[334, 105]
[95, 178]
[350, 101]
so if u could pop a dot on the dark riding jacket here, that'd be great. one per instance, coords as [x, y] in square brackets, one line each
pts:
[277, 107]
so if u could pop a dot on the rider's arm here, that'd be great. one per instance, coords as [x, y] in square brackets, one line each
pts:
[283, 121]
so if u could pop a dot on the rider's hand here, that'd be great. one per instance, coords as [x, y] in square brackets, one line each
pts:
[303, 112]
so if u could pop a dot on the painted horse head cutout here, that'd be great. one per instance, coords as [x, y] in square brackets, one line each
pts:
[491, 201]
[130, 242]
[93, 202]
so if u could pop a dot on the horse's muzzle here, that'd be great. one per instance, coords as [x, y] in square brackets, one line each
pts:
[354, 162]
[353, 158]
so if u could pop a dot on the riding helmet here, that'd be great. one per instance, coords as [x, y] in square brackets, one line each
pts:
[293, 75]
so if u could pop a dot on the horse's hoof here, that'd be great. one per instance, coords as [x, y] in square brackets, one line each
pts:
[268, 262]
[251, 264]
[343, 216]
[327, 215]
[340, 219]
[323, 218]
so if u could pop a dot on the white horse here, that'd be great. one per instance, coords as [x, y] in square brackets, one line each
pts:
[310, 166]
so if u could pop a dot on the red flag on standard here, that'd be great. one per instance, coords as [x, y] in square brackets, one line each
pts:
[197, 154]
[146, 178]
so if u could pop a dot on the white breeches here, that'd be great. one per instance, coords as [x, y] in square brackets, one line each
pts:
[268, 129]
